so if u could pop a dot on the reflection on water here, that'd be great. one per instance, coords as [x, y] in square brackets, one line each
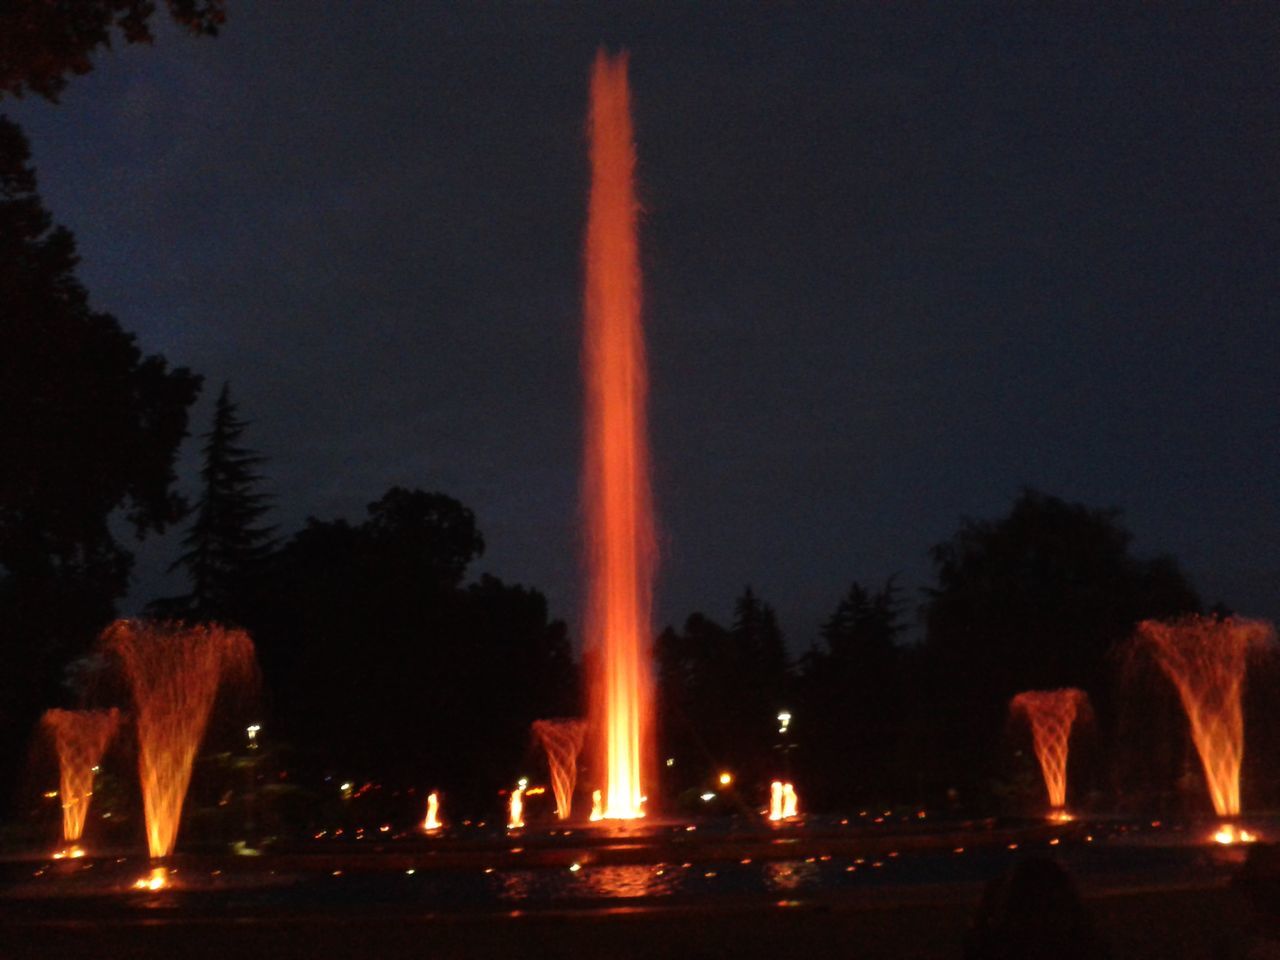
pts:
[613, 882]
[633, 880]
[516, 884]
[790, 875]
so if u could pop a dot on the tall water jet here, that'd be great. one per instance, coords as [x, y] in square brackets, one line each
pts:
[619, 518]
[1206, 659]
[1051, 714]
[173, 672]
[562, 740]
[80, 738]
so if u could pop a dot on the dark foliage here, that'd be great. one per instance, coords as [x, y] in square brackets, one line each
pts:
[382, 664]
[1035, 600]
[852, 701]
[42, 43]
[225, 546]
[719, 693]
[89, 428]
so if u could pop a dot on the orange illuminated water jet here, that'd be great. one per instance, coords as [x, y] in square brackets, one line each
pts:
[1206, 659]
[783, 801]
[562, 740]
[1051, 714]
[432, 822]
[597, 805]
[515, 808]
[173, 672]
[80, 738]
[621, 554]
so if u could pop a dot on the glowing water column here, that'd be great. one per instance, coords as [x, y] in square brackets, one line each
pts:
[1051, 714]
[432, 822]
[80, 738]
[618, 511]
[173, 672]
[1206, 659]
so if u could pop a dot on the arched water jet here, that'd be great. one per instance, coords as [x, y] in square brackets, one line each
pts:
[173, 672]
[1051, 714]
[562, 740]
[80, 738]
[1207, 659]
[619, 522]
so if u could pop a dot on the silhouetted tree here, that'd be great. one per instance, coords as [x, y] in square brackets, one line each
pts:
[42, 43]
[1035, 600]
[852, 700]
[719, 693]
[224, 546]
[381, 663]
[89, 428]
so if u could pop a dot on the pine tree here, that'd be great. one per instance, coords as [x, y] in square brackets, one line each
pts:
[224, 544]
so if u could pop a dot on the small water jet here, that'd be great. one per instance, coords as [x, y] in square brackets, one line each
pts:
[784, 802]
[173, 672]
[616, 497]
[1207, 659]
[80, 738]
[432, 822]
[562, 740]
[1051, 714]
[515, 806]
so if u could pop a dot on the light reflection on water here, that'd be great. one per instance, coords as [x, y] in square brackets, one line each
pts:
[632, 880]
[790, 875]
[612, 882]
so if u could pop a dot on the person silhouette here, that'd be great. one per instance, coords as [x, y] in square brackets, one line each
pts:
[1033, 912]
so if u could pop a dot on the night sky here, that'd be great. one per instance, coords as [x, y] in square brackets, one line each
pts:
[902, 259]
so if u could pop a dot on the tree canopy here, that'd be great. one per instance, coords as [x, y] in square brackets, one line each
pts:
[42, 43]
[225, 544]
[89, 431]
[1036, 599]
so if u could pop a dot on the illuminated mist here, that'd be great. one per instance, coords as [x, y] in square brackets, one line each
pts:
[173, 672]
[1051, 714]
[562, 740]
[619, 519]
[80, 738]
[1206, 659]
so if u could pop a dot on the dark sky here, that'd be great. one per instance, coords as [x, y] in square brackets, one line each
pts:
[902, 259]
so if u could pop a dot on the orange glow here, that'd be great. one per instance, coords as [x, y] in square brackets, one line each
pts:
[1061, 816]
[726, 779]
[515, 809]
[597, 806]
[790, 802]
[1229, 833]
[562, 740]
[783, 801]
[621, 553]
[432, 822]
[173, 672]
[1206, 659]
[157, 879]
[80, 738]
[1051, 714]
[69, 853]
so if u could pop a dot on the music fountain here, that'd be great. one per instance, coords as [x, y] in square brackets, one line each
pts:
[606, 841]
